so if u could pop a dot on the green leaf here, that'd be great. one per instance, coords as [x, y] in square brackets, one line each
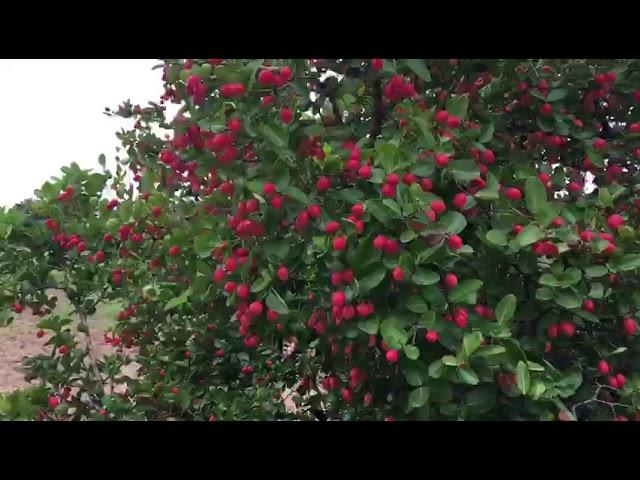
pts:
[626, 262]
[468, 376]
[529, 234]
[496, 237]
[549, 280]
[436, 369]
[427, 140]
[419, 68]
[203, 245]
[487, 194]
[411, 352]
[556, 94]
[296, 194]
[597, 290]
[568, 300]
[450, 361]
[276, 135]
[544, 294]
[177, 301]
[464, 170]
[422, 276]
[458, 106]
[490, 350]
[351, 195]
[464, 289]
[379, 211]
[369, 325]
[471, 342]
[535, 195]
[415, 373]
[506, 308]
[523, 380]
[372, 280]
[393, 333]
[276, 303]
[486, 134]
[537, 388]
[453, 221]
[418, 397]
[407, 236]
[416, 304]
[260, 284]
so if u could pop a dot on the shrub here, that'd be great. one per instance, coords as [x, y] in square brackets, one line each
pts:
[440, 239]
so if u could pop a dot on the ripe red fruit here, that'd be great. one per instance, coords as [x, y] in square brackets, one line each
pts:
[392, 355]
[589, 306]
[338, 299]
[454, 242]
[431, 336]
[339, 243]
[283, 273]
[175, 390]
[460, 200]
[488, 156]
[347, 395]
[266, 77]
[377, 64]
[630, 326]
[40, 333]
[391, 246]
[513, 193]
[599, 144]
[187, 354]
[613, 382]
[232, 90]
[517, 229]
[255, 308]
[441, 116]
[230, 287]
[174, 250]
[397, 274]
[16, 307]
[323, 184]
[568, 329]
[314, 210]
[557, 222]
[63, 349]
[332, 227]
[358, 210]
[438, 206]
[442, 159]
[546, 109]
[365, 171]
[621, 380]
[53, 402]
[286, 115]
[276, 201]
[388, 190]
[634, 127]
[603, 367]
[451, 280]
[453, 121]
[347, 276]
[552, 331]
[269, 189]
[242, 291]
[272, 315]
[363, 310]
[379, 242]
[614, 221]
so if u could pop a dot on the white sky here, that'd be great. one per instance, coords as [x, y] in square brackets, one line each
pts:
[51, 114]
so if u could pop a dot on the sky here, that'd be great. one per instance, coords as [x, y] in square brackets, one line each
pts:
[51, 114]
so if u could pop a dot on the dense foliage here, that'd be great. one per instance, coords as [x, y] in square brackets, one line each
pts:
[436, 239]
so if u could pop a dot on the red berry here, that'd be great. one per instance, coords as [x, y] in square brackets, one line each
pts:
[630, 326]
[441, 116]
[347, 395]
[255, 308]
[431, 336]
[603, 367]
[314, 210]
[442, 159]
[460, 200]
[283, 273]
[567, 328]
[339, 243]
[286, 115]
[40, 333]
[323, 184]
[513, 193]
[338, 299]
[588, 306]
[599, 144]
[332, 227]
[454, 242]
[53, 402]
[175, 390]
[174, 250]
[614, 221]
[546, 109]
[451, 280]
[397, 274]
[552, 331]
[269, 189]
[243, 291]
[377, 64]
[379, 242]
[266, 77]
[358, 210]
[438, 206]
[392, 356]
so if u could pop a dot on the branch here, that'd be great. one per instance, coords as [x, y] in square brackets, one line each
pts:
[94, 363]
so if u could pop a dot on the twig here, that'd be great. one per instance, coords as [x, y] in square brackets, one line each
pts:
[94, 364]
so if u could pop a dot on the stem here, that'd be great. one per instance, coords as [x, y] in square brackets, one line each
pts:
[94, 364]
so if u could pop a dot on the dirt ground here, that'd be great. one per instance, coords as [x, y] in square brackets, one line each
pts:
[19, 340]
